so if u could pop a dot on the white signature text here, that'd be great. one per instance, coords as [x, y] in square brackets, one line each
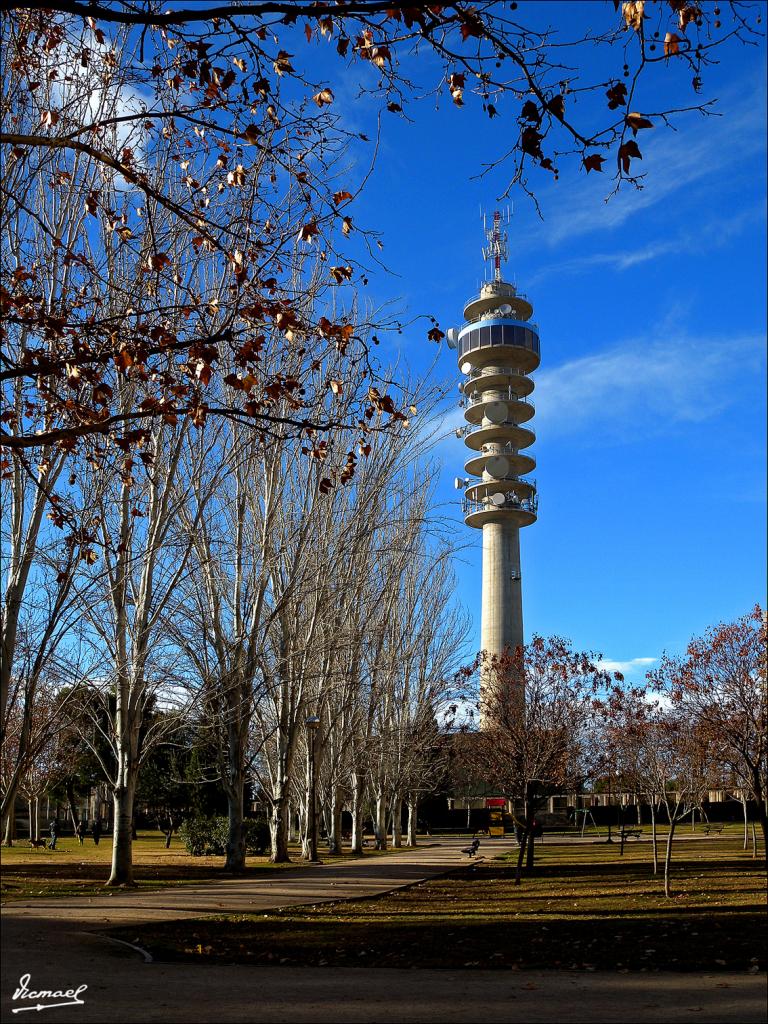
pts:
[67, 997]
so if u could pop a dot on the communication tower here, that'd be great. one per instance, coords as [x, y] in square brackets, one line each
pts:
[498, 349]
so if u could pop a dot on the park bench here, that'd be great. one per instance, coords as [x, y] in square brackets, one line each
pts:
[708, 829]
[631, 833]
[472, 849]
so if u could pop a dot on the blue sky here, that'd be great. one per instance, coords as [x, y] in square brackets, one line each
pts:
[650, 396]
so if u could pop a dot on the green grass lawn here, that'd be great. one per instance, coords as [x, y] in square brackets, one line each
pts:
[74, 870]
[586, 908]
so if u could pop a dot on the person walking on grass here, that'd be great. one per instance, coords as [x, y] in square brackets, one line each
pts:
[53, 825]
[80, 831]
[96, 831]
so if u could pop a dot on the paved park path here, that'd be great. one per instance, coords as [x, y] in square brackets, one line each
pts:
[58, 943]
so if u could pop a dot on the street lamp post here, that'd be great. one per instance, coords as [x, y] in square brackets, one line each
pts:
[313, 724]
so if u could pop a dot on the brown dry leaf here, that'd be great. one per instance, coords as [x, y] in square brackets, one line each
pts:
[594, 162]
[628, 151]
[671, 44]
[341, 197]
[617, 96]
[379, 55]
[341, 274]
[456, 85]
[236, 178]
[282, 64]
[323, 98]
[336, 386]
[123, 359]
[158, 260]
[637, 121]
[634, 12]
[49, 117]
[556, 106]
[309, 231]
[687, 14]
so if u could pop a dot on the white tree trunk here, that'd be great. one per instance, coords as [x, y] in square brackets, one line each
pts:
[122, 836]
[746, 823]
[397, 822]
[413, 808]
[653, 839]
[334, 832]
[668, 858]
[357, 812]
[278, 830]
[381, 821]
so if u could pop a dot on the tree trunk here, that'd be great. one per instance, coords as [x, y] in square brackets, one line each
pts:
[31, 828]
[397, 822]
[357, 813]
[381, 821]
[653, 839]
[71, 804]
[668, 856]
[334, 830]
[122, 837]
[531, 844]
[469, 814]
[413, 808]
[744, 808]
[278, 832]
[520, 857]
[10, 828]
[754, 842]
[235, 849]
[762, 813]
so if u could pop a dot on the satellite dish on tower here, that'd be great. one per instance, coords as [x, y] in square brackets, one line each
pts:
[466, 367]
[498, 499]
[497, 466]
[496, 412]
[460, 483]
[452, 337]
[505, 310]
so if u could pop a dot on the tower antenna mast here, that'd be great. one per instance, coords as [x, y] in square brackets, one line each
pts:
[498, 243]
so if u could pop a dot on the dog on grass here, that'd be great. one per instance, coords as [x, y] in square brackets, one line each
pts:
[38, 844]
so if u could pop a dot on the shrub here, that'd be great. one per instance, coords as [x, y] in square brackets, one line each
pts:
[208, 836]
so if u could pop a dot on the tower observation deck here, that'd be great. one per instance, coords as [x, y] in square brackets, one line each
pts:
[498, 348]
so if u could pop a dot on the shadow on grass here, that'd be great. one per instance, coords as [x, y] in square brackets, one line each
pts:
[727, 942]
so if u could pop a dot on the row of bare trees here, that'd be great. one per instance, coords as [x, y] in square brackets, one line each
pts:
[236, 555]
[224, 580]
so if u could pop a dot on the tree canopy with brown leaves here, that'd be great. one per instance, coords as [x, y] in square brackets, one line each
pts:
[173, 178]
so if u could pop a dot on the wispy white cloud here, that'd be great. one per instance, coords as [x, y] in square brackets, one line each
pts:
[640, 387]
[631, 667]
[708, 236]
[674, 162]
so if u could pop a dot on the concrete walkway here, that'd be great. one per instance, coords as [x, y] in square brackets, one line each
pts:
[57, 942]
